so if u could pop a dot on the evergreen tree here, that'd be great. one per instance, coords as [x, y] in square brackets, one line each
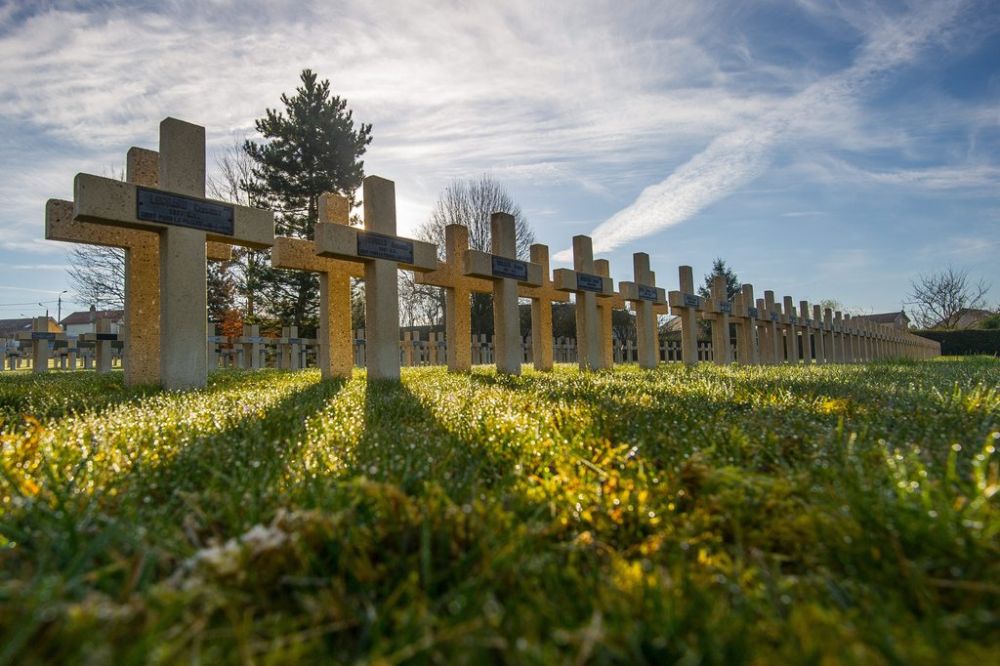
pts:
[733, 284]
[310, 147]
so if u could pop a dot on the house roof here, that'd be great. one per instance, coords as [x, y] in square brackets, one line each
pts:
[11, 327]
[884, 317]
[84, 316]
[967, 318]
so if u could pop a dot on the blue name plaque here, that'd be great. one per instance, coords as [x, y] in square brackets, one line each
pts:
[180, 211]
[378, 246]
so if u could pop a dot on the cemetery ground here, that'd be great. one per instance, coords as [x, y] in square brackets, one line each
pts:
[834, 514]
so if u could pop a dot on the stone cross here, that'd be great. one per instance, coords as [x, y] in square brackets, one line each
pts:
[688, 304]
[506, 273]
[40, 336]
[644, 295]
[817, 326]
[807, 325]
[605, 312]
[718, 310]
[142, 267]
[252, 345]
[383, 254]
[584, 281]
[542, 298]
[829, 347]
[184, 220]
[458, 289]
[772, 314]
[336, 350]
[838, 337]
[792, 328]
[746, 314]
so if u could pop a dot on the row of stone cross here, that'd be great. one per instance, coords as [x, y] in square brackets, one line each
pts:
[159, 215]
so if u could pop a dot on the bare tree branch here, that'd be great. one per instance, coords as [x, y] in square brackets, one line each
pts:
[937, 300]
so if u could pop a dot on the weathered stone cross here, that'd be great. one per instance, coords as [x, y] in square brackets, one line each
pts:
[644, 295]
[458, 289]
[383, 254]
[791, 331]
[807, 325]
[336, 352]
[817, 325]
[776, 351]
[184, 220]
[689, 304]
[718, 310]
[745, 314]
[542, 298]
[605, 311]
[506, 272]
[584, 281]
[141, 356]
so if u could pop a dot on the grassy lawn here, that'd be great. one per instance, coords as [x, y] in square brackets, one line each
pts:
[714, 515]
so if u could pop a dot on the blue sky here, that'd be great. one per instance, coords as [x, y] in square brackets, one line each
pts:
[824, 149]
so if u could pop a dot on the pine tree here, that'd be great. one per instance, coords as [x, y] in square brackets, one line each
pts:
[733, 284]
[310, 147]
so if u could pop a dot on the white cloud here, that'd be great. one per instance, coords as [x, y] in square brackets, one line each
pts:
[737, 157]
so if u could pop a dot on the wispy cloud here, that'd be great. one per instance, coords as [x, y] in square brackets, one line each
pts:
[737, 157]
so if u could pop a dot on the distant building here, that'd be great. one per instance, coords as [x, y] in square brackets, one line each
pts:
[9, 328]
[85, 321]
[897, 320]
[967, 318]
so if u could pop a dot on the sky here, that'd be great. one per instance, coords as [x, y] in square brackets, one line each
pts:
[825, 150]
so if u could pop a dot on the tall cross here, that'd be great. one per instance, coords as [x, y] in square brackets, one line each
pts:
[458, 289]
[818, 341]
[688, 304]
[542, 298]
[336, 349]
[584, 281]
[829, 346]
[605, 311]
[644, 295]
[718, 310]
[184, 220]
[838, 338]
[792, 331]
[807, 351]
[383, 254]
[141, 356]
[745, 313]
[776, 353]
[506, 273]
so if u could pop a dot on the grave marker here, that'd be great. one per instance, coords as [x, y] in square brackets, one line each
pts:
[776, 351]
[792, 331]
[644, 294]
[605, 311]
[818, 338]
[40, 336]
[383, 254]
[689, 305]
[506, 272]
[808, 356]
[588, 286]
[458, 289]
[335, 346]
[746, 314]
[542, 298]
[142, 269]
[717, 310]
[184, 221]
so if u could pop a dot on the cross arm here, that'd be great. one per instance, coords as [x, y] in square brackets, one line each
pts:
[112, 202]
[632, 291]
[491, 266]
[300, 254]
[572, 281]
[353, 244]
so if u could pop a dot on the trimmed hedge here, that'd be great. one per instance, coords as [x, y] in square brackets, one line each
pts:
[971, 341]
